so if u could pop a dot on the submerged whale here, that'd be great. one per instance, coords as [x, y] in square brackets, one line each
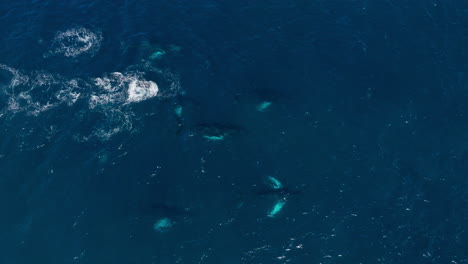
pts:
[277, 188]
[167, 215]
[279, 192]
[210, 131]
[216, 131]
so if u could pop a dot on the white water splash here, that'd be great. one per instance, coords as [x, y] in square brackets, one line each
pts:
[108, 98]
[75, 41]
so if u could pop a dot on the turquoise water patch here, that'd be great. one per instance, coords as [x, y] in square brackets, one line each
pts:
[163, 224]
[275, 183]
[277, 208]
[178, 111]
[263, 106]
[157, 54]
[214, 138]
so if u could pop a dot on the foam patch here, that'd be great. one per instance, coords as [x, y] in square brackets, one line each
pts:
[75, 41]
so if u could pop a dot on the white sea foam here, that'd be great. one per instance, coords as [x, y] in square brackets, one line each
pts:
[109, 98]
[17, 77]
[117, 120]
[140, 90]
[76, 41]
[70, 94]
[13, 105]
[111, 83]
[122, 88]
[37, 92]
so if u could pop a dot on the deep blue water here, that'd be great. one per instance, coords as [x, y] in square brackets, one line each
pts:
[367, 129]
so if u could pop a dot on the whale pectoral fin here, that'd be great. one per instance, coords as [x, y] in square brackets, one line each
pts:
[275, 183]
[277, 207]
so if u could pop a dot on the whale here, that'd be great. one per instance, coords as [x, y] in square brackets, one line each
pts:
[278, 192]
[276, 188]
[212, 131]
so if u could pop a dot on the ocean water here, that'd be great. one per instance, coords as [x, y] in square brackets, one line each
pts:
[233, 131]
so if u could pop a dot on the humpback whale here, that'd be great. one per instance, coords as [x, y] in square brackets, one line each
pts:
[277, 207]
[212, 131]
[168, 215]
[279, 192]
[276, 188]
[216, 131]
